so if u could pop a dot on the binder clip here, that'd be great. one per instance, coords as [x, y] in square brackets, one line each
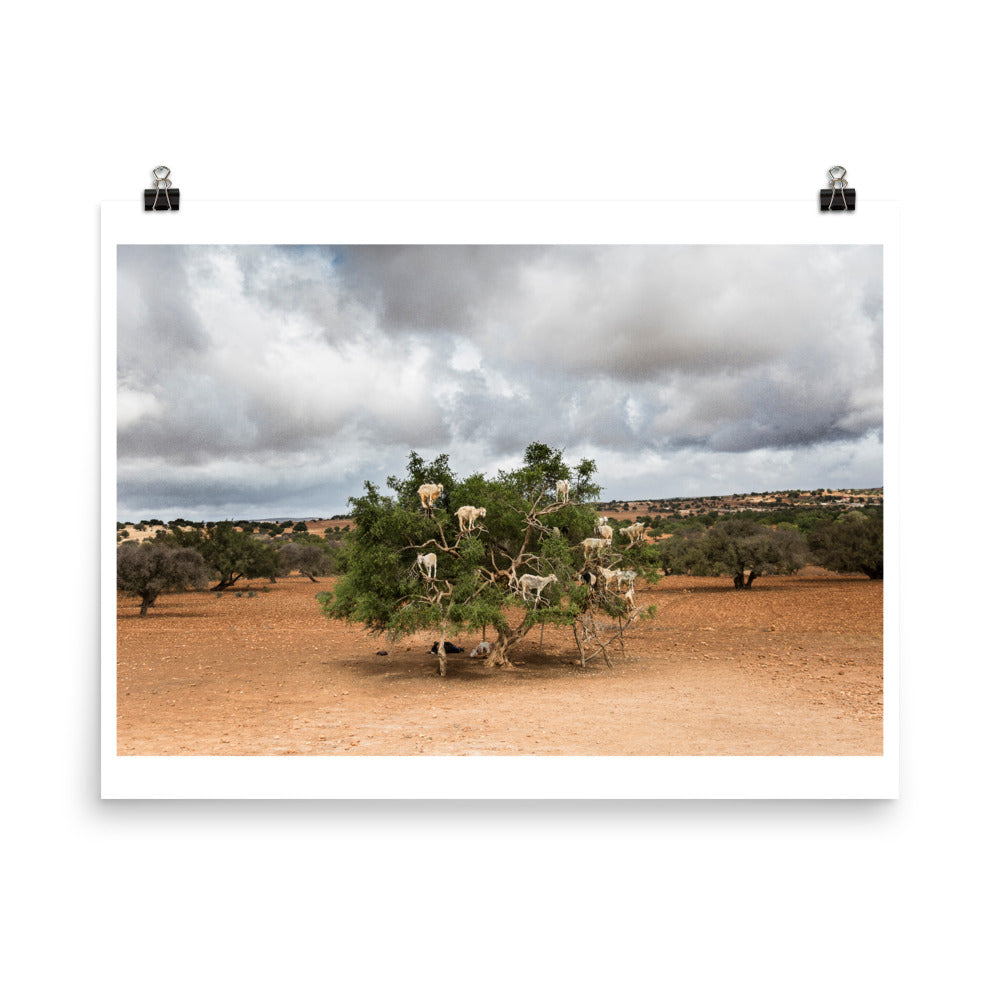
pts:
[839, 197]
[164, 197]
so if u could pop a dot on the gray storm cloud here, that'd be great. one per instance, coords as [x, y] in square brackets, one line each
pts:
[250, 376]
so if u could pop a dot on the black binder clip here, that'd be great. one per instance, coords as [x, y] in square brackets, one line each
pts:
[164, 197]
[839, 197]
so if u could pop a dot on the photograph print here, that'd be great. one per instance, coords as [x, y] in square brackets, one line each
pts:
[549, 500]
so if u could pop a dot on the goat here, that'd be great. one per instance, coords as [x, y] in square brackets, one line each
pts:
[605, 531]
[449, 648]
[635, 532]
[590, 579]
[607, 575]
[428, 563]
[595, 543]
[535, 583]
[602, 520]
[429, 493]
[483, 649]
[562, 490]
[467, 517]
[626, 576]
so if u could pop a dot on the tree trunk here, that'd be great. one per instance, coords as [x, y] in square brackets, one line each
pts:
[505, 640]
[442, 656]
[498, 651]
[579, 645]
[751, 578]
[146, 604]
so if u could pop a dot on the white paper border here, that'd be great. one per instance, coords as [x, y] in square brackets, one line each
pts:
[499, 222]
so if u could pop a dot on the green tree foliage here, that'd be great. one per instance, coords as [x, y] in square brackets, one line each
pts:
[853, 543]
[230, 553]
[148, 569]
[740, 548]
[526, 530]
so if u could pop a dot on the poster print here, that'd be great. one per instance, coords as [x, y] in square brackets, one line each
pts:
[542, 500]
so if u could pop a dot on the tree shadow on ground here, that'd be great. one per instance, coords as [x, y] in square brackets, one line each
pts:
[404, 667]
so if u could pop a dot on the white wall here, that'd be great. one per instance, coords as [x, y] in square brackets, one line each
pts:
[440, 100]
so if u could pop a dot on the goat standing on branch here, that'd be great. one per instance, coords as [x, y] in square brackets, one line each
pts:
[594, 544]
[428, 564]
[429, 493]
[467, 517]
[562, 490]
[534, 583]
[635, 532]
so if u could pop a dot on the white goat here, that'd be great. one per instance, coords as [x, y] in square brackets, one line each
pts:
[428, 563]
[595, 543]
[429, 493]
[535, 583]
[602, 520]
[607, 575]
[483, 649]
[626, 576]
[605, 531]
[635, 531]
[562, 490]
[467, 517]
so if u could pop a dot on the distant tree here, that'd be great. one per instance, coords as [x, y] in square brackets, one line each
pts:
[300, 526]
[309, 560]
[735, 547]
[148, 569]
[230, 553]
[853, 543]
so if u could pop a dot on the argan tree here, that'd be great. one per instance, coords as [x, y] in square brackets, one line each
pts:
[310, 560]
[148, 569]
[851, 544]
[737, 548]
[474, 588]
[231, 553]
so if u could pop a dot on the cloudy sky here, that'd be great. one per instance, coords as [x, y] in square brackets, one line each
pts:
[260, 381]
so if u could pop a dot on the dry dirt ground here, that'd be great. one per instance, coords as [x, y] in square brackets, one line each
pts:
[792, 666]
